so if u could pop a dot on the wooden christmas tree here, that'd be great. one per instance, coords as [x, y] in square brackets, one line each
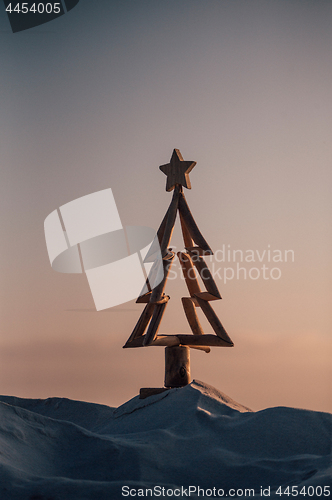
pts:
[193, 265]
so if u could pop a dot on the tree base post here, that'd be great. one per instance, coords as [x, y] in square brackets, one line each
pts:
[177, 366]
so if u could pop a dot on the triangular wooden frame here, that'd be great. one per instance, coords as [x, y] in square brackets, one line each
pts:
[192, 262]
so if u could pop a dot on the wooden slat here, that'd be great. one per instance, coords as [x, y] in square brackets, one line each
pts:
[158, 291]
[166, 340]
[173, 340]
[142, 322]
[170, 221]
[214, 320]
[161, 230]
[207, 296]
[189, 273]
[200, 348]
[154, 323]
[206, 275]
[144, 299]
[192, 226]
[197, 251]
[206, 339]
[190, 312]
[182, 339]
[160, 234]
[187, 239]
[164, 298]
[151, 278]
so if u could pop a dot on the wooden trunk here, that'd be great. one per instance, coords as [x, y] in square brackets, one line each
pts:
[177, 366]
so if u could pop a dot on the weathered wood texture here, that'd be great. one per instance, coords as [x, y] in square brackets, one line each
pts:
[192, 226]
[170, 221]
[208, 339]
[152, 330]
[144, 299]
[187, 239]
[193, 250]
[151, 276]
[142, 322]
[177, 366]
[196, 247]
[200, 348]
[205, 275]
[206, 296]
[189, 273]
[214, 320]
[158, 291]
[177, 171]
[166, 340]
[190, 312]
[161, 230]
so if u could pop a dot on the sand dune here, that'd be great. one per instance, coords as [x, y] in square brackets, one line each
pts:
[59, 449]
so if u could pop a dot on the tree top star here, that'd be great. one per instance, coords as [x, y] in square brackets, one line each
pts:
[177, 171]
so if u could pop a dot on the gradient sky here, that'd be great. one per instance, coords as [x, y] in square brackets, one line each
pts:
[99, 98]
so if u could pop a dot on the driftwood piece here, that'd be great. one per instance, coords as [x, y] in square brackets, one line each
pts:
[200, 348]
[144, 299]
[214, 320]
[187, 239]
[170, 221]
[163, 299]
[154, 323]
[189, 273]
[161, 230]
[173, 340]
[190, 312]
[207, 339]
[192, 226]
[207, 297]
[166, 340]
[206, 275]
[177, 366]
[160, 235]
[142, 322]
[197, 251]
[158, 291]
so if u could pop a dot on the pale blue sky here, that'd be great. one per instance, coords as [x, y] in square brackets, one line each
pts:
[99, 98]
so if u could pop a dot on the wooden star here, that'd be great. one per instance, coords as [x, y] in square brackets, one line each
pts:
[177, 171]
